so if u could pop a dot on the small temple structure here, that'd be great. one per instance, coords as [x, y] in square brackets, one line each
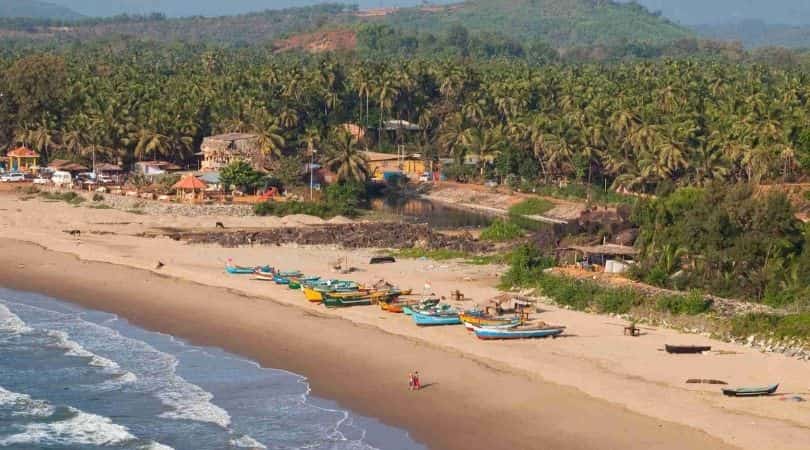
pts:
[23, 159]
[189, 188]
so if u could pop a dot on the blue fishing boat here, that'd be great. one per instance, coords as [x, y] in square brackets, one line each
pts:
[518, 332]
[500, 326]
[278, 279]
[242, 270]
[424, 320]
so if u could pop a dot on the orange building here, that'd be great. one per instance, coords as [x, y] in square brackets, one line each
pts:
[23, 159]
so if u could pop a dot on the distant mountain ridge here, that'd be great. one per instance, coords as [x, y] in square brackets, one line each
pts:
[716, 12]
[36, 9]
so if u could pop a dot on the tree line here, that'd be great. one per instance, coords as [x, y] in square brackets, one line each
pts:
[635, 125]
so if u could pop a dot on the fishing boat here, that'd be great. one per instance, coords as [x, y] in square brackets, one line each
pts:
[501, 326]
[312, 295]
[294, 284]
[478, 318]
[683, 349]
[751, 391]
[427, 306]
[444, 318]
[527, 331]
[342, 299]
[266, 271]
[290, 274]
[278, 279]
[262, 277]
[239, 270]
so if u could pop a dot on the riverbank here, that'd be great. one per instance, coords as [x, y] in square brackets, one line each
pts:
[488, 392]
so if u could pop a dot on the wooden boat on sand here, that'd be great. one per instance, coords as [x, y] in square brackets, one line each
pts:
[478, 318]
[750, 391]
[500, 326]
[527, 331]
[686, 349]
[244, 270]
[447, 317]
[359, 298]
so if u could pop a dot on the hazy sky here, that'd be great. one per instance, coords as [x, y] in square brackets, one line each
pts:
[205, 7]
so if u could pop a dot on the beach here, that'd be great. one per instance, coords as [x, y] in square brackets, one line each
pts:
[594, 388]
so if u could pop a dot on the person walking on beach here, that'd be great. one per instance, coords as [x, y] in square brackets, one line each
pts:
[416, 384]
[410, 381]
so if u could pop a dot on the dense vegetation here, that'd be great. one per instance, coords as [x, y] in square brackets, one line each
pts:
[561, 22]
[641, 126]
[728, 241]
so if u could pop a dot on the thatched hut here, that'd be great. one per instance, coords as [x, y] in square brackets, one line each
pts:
[189, 188]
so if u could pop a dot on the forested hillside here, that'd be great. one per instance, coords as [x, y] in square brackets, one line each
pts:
[561, 22]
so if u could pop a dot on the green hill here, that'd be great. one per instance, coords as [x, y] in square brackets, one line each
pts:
[560, 22]
[36, 10]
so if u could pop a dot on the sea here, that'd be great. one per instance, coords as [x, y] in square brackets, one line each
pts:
[75, 378]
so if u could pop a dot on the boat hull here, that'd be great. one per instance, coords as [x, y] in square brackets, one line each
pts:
[686, 349]
[424, 320]
[498, 334]
[751, 392]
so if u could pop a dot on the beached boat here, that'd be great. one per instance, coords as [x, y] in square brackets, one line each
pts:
[265, 271]
[683, 349]
[501, 326]
[294, 284]
[312, 295]
[438, 318]
[239, 270]
[478, 318]
[262, 277]
[342, 299]
[278, 279]
[519, 332]
[426, 306]
[290, 274]
[751, 391]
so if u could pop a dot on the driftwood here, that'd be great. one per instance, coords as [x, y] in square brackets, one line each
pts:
[704, 381]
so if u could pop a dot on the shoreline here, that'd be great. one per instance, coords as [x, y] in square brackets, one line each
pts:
[468, 403]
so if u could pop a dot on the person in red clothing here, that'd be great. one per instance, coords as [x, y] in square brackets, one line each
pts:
[416, 384]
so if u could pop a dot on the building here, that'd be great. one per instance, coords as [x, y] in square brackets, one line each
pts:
[411, 166]
[23, 159]
[219, 151]
[156, 167]
[611, 258]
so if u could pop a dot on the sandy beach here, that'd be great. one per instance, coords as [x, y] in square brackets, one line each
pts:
[593, 389]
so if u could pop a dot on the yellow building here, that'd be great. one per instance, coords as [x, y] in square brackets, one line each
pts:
[23, 159]
[378, 163]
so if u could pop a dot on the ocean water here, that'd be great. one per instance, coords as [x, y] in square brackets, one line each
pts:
[73, 378]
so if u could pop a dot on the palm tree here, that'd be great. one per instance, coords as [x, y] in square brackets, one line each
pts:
[345, 159]
[270, 141]
[149, 141]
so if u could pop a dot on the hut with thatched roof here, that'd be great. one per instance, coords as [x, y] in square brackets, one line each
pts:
[190, 188]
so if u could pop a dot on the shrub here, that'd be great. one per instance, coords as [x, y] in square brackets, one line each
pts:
[345, 198]
[691, 304]
[525, 266]
[98, 197]
[69, 197]
[241, 175]
[501, 230]
[271, 208]
[530, 207]
[788, 326]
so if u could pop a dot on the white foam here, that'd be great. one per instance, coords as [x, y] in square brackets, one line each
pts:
[190, 402]
[247, 442]
[80, 429]
[75, 349]
[156, 446]
[10, 323]
[23, 404]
